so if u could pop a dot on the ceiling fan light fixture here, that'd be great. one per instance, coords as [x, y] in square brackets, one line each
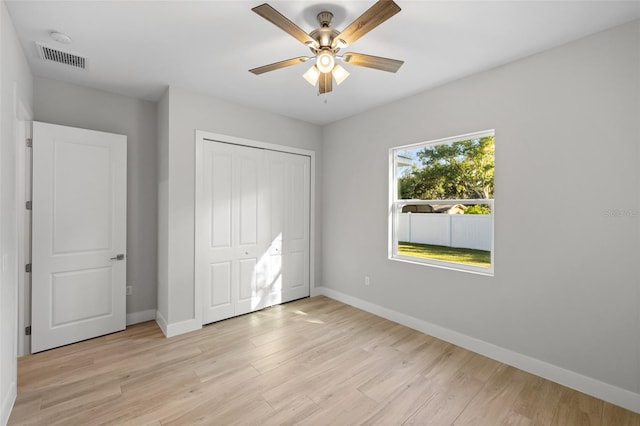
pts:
[325, 61]
[312, 75]
[326, 41]
[340, 74]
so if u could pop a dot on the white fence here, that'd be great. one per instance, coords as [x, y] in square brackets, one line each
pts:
[452, 230]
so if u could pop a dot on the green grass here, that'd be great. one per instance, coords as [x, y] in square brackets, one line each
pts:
[449, 254]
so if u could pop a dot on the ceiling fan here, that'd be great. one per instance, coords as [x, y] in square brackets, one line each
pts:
[325, 42]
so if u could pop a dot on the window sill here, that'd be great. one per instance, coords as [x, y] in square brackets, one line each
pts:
[452, 266]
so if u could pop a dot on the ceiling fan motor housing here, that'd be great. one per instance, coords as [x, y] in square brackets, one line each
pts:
[324, 35]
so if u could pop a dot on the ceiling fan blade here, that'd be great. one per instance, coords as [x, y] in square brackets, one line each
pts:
[326, 83]
[370, 61]
[282, 22]
[374, 16]
[278, 65]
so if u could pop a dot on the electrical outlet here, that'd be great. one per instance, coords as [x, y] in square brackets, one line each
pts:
[367, 281]
[129, 290]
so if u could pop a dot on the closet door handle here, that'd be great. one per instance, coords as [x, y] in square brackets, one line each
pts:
[118, 257]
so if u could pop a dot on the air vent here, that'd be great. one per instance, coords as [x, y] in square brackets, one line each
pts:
[60, 57]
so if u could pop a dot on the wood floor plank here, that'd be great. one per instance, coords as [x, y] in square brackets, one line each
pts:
[225, 412]
[314, 361]
[492, 405]
[342, 408]
[398, 373]
[315, 382]
[578, 408]
[292, 411]
[445, 366]
[444, 403]
[404, 402]
[614, 415]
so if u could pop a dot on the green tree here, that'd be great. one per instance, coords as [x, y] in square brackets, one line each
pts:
[458, 170]
[477, 209]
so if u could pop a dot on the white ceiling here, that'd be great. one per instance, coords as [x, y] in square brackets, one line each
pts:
[138, 48]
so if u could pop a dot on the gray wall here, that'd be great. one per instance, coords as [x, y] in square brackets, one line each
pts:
[15, 78]
[189, 112]
[76, 106]
[566, 282]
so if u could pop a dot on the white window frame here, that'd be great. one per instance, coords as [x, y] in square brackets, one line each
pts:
[395, 207]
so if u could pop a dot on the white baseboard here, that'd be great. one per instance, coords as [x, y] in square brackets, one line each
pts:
[176, 328]
[183, 327]
[588, 385]
[162, 323]
[141, 316]
[7, 403]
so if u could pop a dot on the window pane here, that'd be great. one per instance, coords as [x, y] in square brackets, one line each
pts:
[455, 170]
[432, 219]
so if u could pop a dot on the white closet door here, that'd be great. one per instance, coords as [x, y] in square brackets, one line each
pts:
[253, 248]
[218, 253]
[289, 182]
[249, 228]
[233, 199]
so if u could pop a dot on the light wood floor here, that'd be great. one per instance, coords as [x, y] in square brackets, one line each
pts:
[314, 361]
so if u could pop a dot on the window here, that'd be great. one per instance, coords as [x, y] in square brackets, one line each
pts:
[441, 202]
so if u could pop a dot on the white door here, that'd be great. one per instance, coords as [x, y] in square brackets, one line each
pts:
[253, 248]
[79, 235]
[235, 228]
[289, 189]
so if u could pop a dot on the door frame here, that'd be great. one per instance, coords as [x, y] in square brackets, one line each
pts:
[23, 118]
[200, 239]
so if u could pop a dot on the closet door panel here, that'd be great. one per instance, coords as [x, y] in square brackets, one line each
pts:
[220, 295]
[216, 268]
[250, 244]
[219, 182]
[276, 165]
[277, 169]
[247, 190]
[247, 286]
[296, 237]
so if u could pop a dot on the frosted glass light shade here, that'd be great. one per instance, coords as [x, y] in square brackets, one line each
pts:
[340, 74]
[312, 75]
[325, 62]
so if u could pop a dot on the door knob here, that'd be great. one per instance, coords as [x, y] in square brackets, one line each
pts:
[118, 257]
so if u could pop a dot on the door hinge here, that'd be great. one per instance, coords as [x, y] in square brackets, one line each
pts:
[27, 331]
[29, 142]
[28, 205]
[27, 267]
